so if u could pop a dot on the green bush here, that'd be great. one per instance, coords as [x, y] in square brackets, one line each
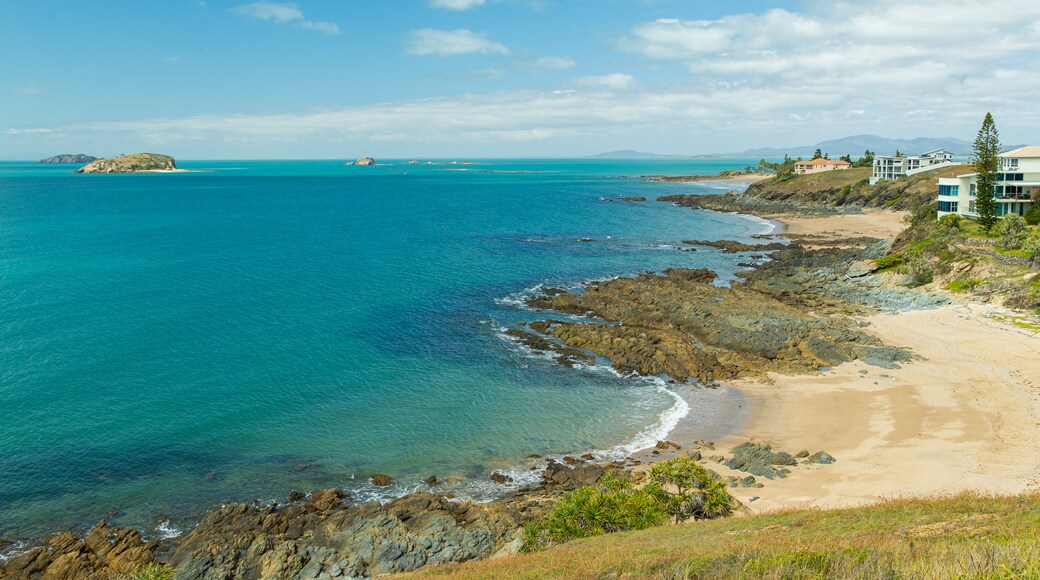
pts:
[950, 221]
[1033, 215]
[889, 261]
[153, 571]
[699, 493]
[963, 284]
[613, 505]
[679, 488]
[1011, 230]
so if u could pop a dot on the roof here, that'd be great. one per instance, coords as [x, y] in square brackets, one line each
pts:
[940, 150]
[1030, 151]
[821, 161]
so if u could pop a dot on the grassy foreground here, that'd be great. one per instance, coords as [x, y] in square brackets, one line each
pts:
[963, 536]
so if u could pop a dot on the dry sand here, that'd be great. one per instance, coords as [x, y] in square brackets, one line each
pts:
[871, 223]
[964, 416]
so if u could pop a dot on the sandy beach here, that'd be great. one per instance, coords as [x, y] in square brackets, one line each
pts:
[965, 415]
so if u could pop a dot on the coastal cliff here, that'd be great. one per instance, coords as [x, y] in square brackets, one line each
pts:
[69, 158]
[134, 163]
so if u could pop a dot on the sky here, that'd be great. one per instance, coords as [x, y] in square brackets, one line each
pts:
[234, 79]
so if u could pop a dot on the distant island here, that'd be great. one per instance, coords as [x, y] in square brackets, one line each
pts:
[134, 163]
[363, 161]
[69, 158]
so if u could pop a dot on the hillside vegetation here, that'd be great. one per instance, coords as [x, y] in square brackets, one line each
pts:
[965, 536]
[851, 187]
[131, 164]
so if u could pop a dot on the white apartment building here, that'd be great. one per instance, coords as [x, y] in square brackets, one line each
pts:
[892, 167]
[1016, 188]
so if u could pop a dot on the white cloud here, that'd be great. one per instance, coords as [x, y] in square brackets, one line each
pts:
[284, 13]
[616, 81]
[27, 89]
[555, 63]
[456, 4]
[429, 41]
[32, 131]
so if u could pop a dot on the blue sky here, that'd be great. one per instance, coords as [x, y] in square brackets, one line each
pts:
[331, 79]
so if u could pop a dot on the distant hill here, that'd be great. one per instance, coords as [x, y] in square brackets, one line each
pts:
[856, 144]
[69, 158]
[631, 154]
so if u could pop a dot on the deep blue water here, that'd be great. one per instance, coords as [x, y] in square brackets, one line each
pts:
[170, 342]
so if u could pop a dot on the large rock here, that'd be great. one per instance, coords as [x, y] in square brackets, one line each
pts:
[365, 161]
[104, 553]
[135, 163]
[296, 541]
[683, 325]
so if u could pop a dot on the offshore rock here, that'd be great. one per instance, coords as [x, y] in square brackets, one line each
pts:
[104, 553]
[135, 163]
[364, 161]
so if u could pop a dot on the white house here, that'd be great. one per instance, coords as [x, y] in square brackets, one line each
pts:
[1016, 188]
[819, 165]
[892, 167]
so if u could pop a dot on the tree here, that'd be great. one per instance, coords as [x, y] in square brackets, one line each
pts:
[1031, 244]
[986, 162]
[818, 154]
[867, 160]
[1012, 229]
[846, 158]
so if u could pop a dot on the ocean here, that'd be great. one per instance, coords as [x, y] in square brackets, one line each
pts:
[172, 342]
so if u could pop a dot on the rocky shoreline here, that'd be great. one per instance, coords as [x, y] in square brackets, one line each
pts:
[794, 314]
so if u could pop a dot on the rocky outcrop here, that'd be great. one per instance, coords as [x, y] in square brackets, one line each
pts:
[135, 163]
[329, 536]
[69, 158]
[683, 325]
[732, 247]
[104, 553]
[365, 161]
[322, 535]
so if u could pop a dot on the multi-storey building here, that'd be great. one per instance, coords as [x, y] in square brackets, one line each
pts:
[893, 167]
[1016, 188]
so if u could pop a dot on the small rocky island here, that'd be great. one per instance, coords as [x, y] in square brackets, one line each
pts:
[134, 163]
[364, 161]
[69, 158]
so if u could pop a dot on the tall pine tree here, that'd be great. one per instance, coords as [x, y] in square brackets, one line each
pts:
[986, 162]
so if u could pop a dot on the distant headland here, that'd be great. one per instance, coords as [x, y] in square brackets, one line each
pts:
[69, 158]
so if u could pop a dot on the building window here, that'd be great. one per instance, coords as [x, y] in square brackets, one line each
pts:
[949, 190]
[948, 206]
[971, 206]
[972, 191]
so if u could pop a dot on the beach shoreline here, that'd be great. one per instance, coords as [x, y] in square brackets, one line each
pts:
[961, 416]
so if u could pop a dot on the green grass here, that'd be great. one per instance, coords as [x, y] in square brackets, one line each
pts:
[153, 571]
[964, 536]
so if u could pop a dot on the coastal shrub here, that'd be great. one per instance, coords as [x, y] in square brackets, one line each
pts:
[950, 221]
[890, 261]
[1031, 244]
[614, 505]
[964, 284]
[153, 571]
[698, 493]
[1033, 215]
[917, 265]
[1011, 230]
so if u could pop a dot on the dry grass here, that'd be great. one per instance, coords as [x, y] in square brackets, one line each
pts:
[964, 536]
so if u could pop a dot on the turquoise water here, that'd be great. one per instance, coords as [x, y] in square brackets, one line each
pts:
[171, 342]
